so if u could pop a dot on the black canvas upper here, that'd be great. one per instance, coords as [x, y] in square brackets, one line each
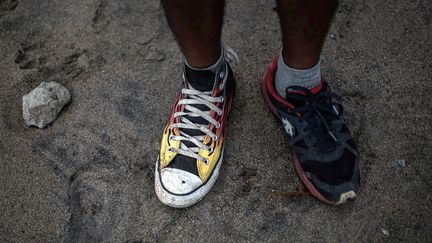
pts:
[203, 81]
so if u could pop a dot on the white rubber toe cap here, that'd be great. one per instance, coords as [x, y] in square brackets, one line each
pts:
[179, 181]
[345, 196]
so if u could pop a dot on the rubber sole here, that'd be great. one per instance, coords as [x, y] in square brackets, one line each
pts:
[177, 201]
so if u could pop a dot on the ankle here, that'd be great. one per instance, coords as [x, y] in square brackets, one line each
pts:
[211, 67]
[203, 78]
[203, 60]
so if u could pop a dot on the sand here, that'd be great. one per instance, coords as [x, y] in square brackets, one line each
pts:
[88, 177]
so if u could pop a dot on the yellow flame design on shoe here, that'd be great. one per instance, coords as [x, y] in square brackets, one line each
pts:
[205, 170]
[167, 156]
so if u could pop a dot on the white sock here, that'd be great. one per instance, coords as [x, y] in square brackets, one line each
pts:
[287, 76]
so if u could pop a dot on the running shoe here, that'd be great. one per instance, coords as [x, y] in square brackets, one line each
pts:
[325, 155]
[192, 144]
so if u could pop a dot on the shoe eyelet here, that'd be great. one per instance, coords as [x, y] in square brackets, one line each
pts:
[217, 125]
[171, 138]
[222, 75]
[205, 161]
[222, 99]
[170, 149]
[215, 138]
[209, 149]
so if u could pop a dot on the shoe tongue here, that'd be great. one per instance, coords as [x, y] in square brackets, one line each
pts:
[314, 90]
[315, 121]
[317, 88]
[202, 80]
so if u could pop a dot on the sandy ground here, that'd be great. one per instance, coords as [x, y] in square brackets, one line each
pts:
[89, 176]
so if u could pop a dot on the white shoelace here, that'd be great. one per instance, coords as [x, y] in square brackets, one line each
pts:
[231, 56]
[196, 97]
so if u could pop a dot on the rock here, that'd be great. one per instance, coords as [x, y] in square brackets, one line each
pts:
[385, 232]
[401, 162]
[43, 104]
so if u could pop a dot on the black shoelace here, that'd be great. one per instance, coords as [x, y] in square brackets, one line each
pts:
[319, 111]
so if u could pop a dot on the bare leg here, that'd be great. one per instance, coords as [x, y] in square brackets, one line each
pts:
[304, 25]
[197, 25]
